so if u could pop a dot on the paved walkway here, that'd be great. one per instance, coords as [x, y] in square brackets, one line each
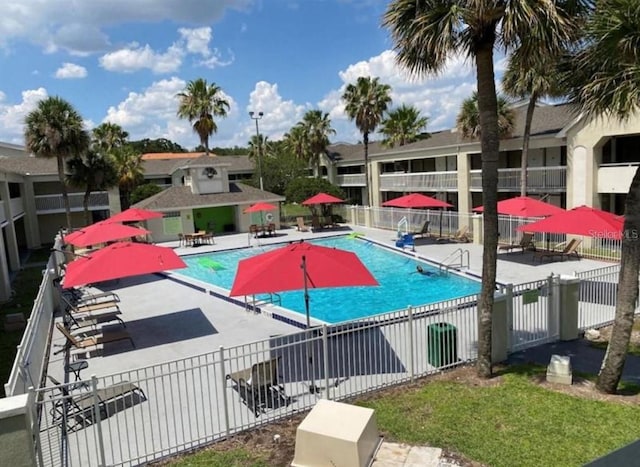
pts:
[403, 455]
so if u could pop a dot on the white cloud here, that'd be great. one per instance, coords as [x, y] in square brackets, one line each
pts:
[279, 114]
[50, 24]
[136, 57]
[196, 40]
[12, 115]
[71, 71]
[152, 114]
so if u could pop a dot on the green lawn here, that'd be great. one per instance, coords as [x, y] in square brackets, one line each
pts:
[25, 287]
[513, 422]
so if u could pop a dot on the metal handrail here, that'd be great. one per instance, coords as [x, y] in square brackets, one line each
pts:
[458, 254]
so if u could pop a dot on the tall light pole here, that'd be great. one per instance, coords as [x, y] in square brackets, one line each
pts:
[257, 117]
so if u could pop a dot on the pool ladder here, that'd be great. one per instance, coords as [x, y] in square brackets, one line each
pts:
[459, 258]
[270, 298]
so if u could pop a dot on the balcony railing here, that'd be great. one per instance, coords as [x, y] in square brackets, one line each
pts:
[351, 180]
[616, 178]
[429, 181]
[3, 215]
[17, 207]
[539, 179]
[49, 204]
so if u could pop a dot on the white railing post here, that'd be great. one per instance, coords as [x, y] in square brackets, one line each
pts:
[411, 343]
[553, 307]
[225, 399]
[508, 291]
[325, 349]
[97, 422]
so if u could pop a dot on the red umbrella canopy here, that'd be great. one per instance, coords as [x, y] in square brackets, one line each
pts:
[134, 215]
[582, 220]
[523, 206]
[261, 206]
[416, 200]
[120, 260]
[281, 269]
[102, 232]
[322, 198]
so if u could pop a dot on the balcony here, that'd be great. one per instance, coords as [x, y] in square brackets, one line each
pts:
[616, 178]
[422, 181]
[51, 204]
[351, 180]
[539, 179]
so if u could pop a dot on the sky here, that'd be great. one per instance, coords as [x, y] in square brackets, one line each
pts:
[124, 61]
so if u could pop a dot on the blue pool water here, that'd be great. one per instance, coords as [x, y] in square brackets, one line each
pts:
[400, 284]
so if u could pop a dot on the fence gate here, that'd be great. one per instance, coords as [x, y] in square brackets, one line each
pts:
[534, 317]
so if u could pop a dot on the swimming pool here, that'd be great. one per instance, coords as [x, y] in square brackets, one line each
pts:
[400, 284]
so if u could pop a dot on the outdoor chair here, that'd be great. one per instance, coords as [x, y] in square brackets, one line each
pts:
[254, 230]
[91, 320]
[328, 222]
[259, 386]
[77, 408]
[525, 243]
[571, 249]
[315, 223]
[87, 341]
[300, 225]
[462, 235]
[109, 304]
[423, 232]
[271, 229]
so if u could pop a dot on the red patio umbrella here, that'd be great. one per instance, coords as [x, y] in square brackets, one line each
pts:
[134, 215]
[120, 260]
[583, 220]
[523, 206]
[299, 266]
[322, 198]
[102, 232]
[261, 206]
[416, 200]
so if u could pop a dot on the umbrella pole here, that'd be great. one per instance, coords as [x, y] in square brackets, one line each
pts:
[312, 386]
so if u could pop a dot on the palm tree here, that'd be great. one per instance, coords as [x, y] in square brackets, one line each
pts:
[93, 172]
[199, 103]
[402, 126]
[426, 33]
[55, 129]
[296, 142]
[534, 77]
[317, 128]
[128, 165]
[605, 79]
[468, 120]
[258, 145]
[108, 136]
[366, 103]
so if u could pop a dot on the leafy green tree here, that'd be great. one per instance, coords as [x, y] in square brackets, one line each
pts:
[317, 129]
[55, 129]
[145, 146]
[366, 101]
[94, 172]
[604, 79]
[468, 120]
[279, 168]
[402, 126]
[296, 142]
[128, 164]
[303, 188]
[108, 136]
[144, 191]
[234, 151]
[426, 33]
[199, 103]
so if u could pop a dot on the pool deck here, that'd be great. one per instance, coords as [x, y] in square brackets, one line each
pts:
[169, 320]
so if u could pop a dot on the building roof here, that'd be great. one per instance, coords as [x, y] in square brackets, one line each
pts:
[28, 165]
[159, 166]
[178, 197]
[547, 119]
[150, 156]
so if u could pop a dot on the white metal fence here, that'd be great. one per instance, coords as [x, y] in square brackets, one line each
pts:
[137, 416]
[598, 297]
[31, 357]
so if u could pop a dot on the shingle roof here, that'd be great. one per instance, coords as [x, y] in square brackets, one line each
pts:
[29, 165]
[234, 164]
[547, 119]
[177, 197]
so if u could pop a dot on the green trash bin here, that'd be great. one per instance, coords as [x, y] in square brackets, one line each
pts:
[442, 344]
